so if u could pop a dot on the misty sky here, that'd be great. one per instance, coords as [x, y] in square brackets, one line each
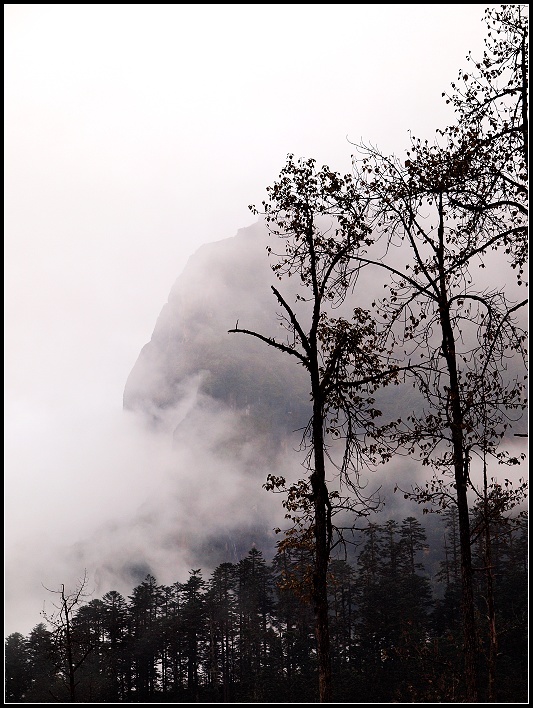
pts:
[135, 134]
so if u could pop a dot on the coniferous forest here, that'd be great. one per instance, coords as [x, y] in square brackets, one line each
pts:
[246, 632]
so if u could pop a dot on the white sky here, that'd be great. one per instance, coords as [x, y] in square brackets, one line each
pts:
[135, 133]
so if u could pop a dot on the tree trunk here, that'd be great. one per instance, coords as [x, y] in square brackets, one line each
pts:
[322, 544]
[460, 463]
[68, 647]
[491, 610]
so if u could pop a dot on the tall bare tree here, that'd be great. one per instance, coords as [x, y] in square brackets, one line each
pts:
[306, 210]
[447, 206]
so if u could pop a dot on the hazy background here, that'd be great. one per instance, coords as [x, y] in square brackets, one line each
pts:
[135, 134]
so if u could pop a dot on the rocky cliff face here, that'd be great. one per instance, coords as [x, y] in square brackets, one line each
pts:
[232, 406]
[191, 361]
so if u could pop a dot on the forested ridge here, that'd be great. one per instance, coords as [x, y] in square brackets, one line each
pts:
[246, 632]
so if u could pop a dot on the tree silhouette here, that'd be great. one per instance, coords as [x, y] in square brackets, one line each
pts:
[73, 649]
[305, 209]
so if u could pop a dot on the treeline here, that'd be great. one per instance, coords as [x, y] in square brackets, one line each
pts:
[246, 634]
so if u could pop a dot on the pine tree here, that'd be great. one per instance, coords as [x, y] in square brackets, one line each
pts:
[116, 646]
[222, 623]
[45, 662]
[17, 668]
[292, 571]
[192, 626]
[146, 638]
[254, 607]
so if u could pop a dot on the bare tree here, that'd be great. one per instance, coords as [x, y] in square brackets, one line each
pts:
[343, 358]
[62, 622]
[446, 207]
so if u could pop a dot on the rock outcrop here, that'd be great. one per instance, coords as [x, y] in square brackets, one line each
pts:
[192, 354]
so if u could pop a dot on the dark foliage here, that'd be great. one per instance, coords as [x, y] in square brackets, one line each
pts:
[246, 634]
